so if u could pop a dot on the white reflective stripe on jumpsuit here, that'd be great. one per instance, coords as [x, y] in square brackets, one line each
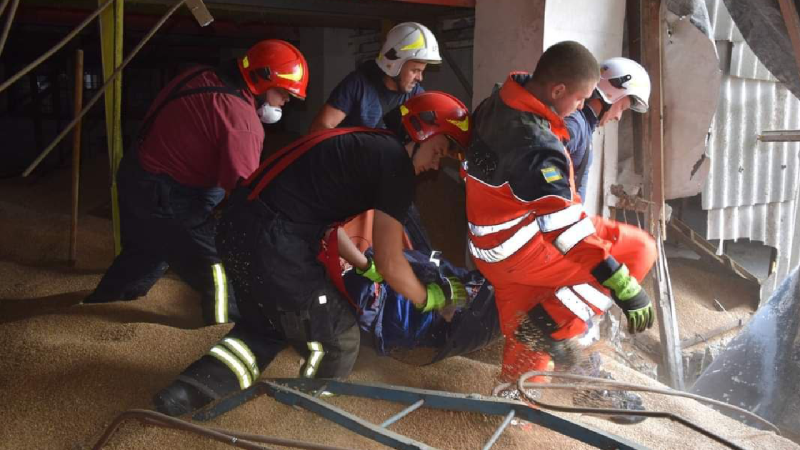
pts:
[550, 222]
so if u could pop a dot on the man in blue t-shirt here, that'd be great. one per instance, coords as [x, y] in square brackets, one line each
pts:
[624, 84]
[371, 91]
[376, 87]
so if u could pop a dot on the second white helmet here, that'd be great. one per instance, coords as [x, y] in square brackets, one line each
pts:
[620, 77]
[407, 41]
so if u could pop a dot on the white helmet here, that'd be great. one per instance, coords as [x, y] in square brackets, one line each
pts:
[620, 77]
[407, 41]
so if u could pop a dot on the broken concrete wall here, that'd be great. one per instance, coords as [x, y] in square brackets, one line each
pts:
[599, 27]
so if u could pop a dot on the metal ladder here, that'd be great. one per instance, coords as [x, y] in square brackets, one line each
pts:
[306, 392]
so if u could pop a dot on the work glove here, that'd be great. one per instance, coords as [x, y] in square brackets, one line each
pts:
[632, 299]
[453, 293]
[371, 271]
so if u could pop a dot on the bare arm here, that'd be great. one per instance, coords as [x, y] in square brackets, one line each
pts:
[350, 252]
[327, 117]
[387, 234]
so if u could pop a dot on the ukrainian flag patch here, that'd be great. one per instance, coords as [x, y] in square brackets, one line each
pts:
[551, 174]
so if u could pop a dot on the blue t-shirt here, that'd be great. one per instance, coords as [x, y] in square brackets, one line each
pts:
[365, 99]
[581, 125]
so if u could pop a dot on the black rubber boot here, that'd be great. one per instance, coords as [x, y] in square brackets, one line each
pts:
[180, 398]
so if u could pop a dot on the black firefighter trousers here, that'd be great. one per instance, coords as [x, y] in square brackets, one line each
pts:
[285, 298]
[166, 225]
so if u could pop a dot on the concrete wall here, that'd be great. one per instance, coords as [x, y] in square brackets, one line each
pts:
[508, 36]
[512, 34]
[599, 27]
[443, 77]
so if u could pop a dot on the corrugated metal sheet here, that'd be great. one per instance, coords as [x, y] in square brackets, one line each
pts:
[745, 172]
[745, 64]
[751, 191]
[721, 22]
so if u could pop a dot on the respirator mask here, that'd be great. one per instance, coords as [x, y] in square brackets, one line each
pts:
[269, 114]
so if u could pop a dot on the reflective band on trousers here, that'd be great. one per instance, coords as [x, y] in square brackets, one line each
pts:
[220, 294]
[507, 248]
[593, 296]
[574, 235]
[574, 304]
[312, 364]
[245, 355]
[560, 219]
[233, 363]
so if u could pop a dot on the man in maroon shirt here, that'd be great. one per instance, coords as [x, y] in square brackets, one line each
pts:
[202, 134]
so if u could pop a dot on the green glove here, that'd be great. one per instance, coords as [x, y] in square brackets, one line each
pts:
[453, 293]
[371, 272]
[632, 299]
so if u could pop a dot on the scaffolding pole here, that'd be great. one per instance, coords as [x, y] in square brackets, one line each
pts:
[111, 50]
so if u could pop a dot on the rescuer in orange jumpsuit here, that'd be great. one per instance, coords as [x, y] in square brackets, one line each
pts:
[551, 264]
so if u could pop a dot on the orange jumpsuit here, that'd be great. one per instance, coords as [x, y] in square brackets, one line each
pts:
[528, 232]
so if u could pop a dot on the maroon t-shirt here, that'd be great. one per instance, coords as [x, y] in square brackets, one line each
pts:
[204, 140]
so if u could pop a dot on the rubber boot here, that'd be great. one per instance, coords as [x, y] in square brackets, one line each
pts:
[180, 398]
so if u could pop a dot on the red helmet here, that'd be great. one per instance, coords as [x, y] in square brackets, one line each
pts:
[432, 113]
[275, 63]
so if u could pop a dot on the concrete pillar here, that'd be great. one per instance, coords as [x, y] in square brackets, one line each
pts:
[599, 27]
[330, 59]
[338, 58]
[311, 44]
[508, 36]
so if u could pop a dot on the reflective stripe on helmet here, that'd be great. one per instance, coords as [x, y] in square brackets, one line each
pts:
[295, 75]
[416, 45]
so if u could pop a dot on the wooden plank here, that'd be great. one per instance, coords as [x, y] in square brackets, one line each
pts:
[792, 21]
[654, 142]
[455, 3]
[685, 235]
[650, 345]
[76, 157]
[711, 334]
[779, 136]
[633, 19]
[671, 354]
[653, 176]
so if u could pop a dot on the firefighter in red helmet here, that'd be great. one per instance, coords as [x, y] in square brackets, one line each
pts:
[202, 133]
[280, 242]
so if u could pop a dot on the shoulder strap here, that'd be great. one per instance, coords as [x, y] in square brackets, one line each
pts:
[150, 118]
[281, 159]
[177, 93]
